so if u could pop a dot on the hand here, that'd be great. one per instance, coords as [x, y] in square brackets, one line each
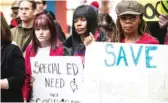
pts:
[89, 39]
[4, 84]
[163, 20]
[25, 101]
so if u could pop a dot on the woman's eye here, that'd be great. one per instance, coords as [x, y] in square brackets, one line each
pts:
[37, 29]
[83, 19]
[45, 28]
[75, 20]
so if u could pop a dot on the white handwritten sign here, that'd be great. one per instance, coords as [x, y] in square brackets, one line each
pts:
[57, 79]
[126, 73]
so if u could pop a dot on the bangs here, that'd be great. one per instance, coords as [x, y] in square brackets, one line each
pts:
[41, 24]
[80, 12]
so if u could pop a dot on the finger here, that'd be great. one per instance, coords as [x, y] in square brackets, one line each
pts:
[87, 41]
[92, 36]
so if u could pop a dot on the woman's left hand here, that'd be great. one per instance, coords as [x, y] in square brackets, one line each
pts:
[89, 39]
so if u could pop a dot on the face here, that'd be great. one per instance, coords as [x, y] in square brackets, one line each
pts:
[26, 12]
[129, 23]
[80, 25]
[15, 11]
[103, 25]
[43, 35]
[40, 6]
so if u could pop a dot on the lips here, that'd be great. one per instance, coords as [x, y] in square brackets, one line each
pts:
[41, 37]
[79, 29]
[128, 27]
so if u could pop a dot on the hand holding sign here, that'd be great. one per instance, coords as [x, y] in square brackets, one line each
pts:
[163, 20]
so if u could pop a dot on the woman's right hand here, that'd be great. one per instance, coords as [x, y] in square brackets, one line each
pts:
[163, 20]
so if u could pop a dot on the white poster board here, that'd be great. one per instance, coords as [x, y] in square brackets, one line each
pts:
[57, 79]
[126, 73]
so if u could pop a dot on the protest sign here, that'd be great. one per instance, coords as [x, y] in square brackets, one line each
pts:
[153, 8]
[57, 79]
[126, 73]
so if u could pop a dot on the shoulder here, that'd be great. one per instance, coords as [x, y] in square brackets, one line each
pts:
[15, 30]
[28, 50]
[63, 50]
[11, 49]
[166, 42]
[149, 39]
[68, 42]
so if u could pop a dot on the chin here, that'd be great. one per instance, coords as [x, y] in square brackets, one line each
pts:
[81, 33]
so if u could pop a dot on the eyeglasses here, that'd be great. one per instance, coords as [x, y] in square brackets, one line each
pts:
[128, 17]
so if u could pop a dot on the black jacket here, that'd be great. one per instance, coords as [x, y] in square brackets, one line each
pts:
[13, 69]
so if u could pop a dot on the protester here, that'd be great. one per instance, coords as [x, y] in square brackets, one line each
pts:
[84, 30]
[95, 5]
[106, 23]
[15, 9]
[163, 22]
[12, 67]
[21, 33]
[44, 43]
[41, 7]
[132, 27]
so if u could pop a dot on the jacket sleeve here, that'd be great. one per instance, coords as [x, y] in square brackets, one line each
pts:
[26, 90]
[18, 65]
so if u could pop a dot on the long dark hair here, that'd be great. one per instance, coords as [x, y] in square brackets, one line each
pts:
[110, 26]
[44, 21]
[6, 36]
[92, 23]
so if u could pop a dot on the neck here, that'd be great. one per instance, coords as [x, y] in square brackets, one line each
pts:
[44, 44]
[27, 24]
[132, 37]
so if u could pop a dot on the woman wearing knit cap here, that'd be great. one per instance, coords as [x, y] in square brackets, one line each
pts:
[132, 27]
[95, 5]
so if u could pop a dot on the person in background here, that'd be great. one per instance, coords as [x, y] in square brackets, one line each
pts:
[21, 33]
[95, 5]
[41, 7]
[132, 27]
[15, 9]
[163, 22]
[84, 30]
[45, 43]
[106, 23]
[12, 67]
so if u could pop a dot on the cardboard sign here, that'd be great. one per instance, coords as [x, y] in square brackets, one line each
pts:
[153, 8]
[57, 79]
[126, 73]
